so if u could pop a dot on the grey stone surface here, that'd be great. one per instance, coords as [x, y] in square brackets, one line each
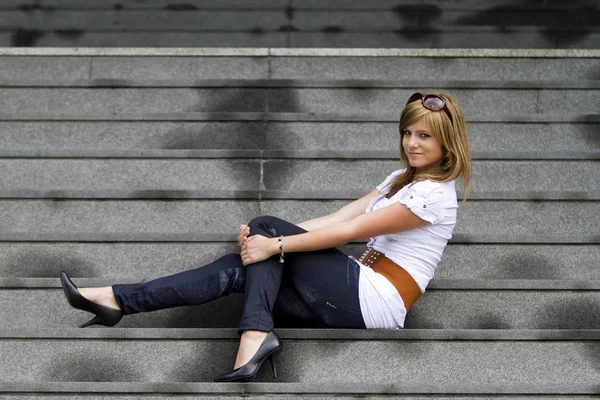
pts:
[389, 101]
[516, 363]
[47, 308]
[200, 52]
[178, 68]
[390, 4]
[504, 309]
[142, 261]
[136, 136]
[577, 101]
[518, 139]
[133, 179]
[292, 139]
[124, 220]
[304, 389]
[431, 18]
[279, 397]
[484, 222]
[116, 261]
[41, 68]
[470, 37]
[158, 5]
[519, 262]
[491, 179]
[125, 20]
[436, 309]
[397, 68]
[296, 4]
[149, 39]
[408, 39]
[111, 102]
[300, 52]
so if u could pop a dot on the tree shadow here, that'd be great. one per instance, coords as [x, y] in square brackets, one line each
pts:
[417, 20]
[562, 28]
[239, 135]
[43, 264]
[569, 314]
[86, 367]
[522, 265]
[591, 129]
[26, 37]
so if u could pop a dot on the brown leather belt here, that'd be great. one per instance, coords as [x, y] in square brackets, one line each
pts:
[402, 281]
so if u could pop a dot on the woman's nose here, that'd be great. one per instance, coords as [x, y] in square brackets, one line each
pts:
[412, 142]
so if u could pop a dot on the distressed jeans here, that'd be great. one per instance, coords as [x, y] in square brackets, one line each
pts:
[322, 284]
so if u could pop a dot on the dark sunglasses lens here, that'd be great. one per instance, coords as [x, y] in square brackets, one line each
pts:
[434, 103]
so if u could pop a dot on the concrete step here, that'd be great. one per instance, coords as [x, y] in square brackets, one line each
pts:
[176, 220]
[160, 20]
[148, 4]
[282, 70]
[143, 261]
[255, 139]
[288, 391]
[429, 25]
[469, 37]
[74, 39]
[399, 19]
[103, 102]
[240, 179]
[321, 5]
[314, 361]
[465, 308]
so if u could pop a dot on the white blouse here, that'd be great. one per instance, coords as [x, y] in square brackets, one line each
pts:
[418, 251]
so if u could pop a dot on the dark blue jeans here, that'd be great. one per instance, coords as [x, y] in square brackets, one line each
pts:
[323, 283]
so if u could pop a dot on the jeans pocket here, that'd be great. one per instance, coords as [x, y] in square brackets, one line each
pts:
[333, 313]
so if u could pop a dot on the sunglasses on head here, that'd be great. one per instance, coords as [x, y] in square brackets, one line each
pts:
[431, 102]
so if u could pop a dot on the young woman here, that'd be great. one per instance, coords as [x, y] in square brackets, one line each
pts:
[409, 218]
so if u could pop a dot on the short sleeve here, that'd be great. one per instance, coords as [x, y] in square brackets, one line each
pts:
[426, 200]
[389, 179]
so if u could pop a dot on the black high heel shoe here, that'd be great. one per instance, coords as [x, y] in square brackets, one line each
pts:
[106, 316]
[268, 349]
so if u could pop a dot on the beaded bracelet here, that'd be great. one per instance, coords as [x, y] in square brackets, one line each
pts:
[281, 249]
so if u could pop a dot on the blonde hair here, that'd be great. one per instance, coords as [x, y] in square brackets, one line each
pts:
[452, 135]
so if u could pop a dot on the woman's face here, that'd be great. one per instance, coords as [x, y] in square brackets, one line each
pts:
[422, 148]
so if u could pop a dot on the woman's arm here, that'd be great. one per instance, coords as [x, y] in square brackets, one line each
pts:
[349, 211]
[391, 219]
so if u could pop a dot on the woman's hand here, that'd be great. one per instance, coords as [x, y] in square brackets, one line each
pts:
[258, 248]
[243, 235]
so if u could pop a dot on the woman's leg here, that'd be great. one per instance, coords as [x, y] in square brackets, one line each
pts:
[222, 277]
[326, 280]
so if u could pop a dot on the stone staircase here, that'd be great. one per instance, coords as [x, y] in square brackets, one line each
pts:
[301, 23]
[120, 165]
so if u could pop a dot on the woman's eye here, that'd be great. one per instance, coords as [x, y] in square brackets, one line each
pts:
[405, 133]
[425, 135]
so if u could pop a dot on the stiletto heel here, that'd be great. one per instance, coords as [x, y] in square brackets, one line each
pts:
[93, 321]
[272, 360]
[106, 316]
[268, 349]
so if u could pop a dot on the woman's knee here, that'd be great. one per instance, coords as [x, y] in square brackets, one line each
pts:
[264, 225]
